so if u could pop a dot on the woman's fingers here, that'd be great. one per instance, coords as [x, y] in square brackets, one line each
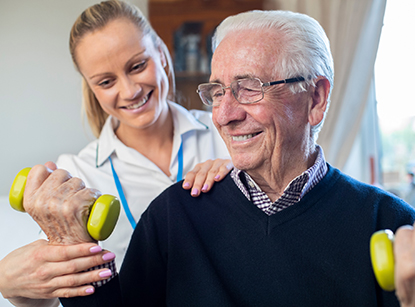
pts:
[78, 284]
[38, 270]
[204, 175]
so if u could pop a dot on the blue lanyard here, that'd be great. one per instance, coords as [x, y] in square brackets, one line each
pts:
[121, 191]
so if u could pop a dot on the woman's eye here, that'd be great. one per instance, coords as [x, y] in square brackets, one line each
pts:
[104, 83]
[139, 66]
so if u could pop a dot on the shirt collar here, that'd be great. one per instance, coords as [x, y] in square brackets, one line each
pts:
[307, 180]
[183, 122]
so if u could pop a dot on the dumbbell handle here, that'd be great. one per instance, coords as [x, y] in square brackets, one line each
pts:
[383, 262]
[102, 218]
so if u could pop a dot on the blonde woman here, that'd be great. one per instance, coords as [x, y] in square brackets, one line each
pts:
[145, 141]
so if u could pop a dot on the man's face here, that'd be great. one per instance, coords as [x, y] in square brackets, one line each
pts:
[272, 131]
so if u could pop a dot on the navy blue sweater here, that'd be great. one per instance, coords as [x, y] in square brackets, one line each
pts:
[221, 250]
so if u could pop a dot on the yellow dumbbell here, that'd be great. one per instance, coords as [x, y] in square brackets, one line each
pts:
[102, 218]
[383, 262]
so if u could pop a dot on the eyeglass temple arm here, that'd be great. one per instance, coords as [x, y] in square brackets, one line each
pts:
[291, 80]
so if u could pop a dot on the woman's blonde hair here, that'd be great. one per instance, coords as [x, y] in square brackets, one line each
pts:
[95, 18]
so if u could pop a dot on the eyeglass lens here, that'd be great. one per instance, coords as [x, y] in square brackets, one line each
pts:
[244, 90]
[247, 90]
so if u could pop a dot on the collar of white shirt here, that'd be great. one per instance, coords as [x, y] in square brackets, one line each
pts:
[183, 122]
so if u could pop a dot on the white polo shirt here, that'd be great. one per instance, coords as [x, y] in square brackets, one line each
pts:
[140, 178]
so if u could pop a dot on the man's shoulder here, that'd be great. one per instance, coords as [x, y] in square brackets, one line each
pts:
[176, 196]
[176, 190]
[352, 191]
[359, 186]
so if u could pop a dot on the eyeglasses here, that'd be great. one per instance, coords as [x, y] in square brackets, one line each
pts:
[245, 91]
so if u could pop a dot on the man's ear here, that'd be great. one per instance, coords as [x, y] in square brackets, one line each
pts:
[319, 101]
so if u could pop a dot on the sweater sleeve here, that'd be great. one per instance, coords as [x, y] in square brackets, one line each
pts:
[108, 295]
[143, 272]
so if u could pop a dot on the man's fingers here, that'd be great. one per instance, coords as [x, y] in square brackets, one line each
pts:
[404, 239]
[404, 251]
[51, 165]
[37, 175]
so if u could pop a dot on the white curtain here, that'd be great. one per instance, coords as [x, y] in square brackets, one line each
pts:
[354, 28]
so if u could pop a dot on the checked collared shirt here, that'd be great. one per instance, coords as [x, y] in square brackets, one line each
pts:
[293, 193]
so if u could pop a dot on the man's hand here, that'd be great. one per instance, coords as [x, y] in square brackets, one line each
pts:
[404, 250]
[59, 203]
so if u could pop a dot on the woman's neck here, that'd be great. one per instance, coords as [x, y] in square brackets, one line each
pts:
[154, 142]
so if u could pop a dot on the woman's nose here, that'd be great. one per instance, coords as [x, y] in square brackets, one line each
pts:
[129, 89]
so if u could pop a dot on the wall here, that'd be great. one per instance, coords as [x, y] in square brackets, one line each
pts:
[40, 91]
[40, 99]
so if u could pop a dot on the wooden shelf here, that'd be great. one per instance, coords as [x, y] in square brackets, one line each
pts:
[167, 16]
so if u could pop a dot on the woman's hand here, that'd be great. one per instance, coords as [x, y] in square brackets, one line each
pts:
[404, 250]
[204, 175]
[40, 270]
[59, 203]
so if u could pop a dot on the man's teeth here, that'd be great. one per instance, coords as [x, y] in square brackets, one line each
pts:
[137, 105]
[243, 137]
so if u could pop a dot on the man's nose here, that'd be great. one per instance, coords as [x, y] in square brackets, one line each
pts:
[229, 110]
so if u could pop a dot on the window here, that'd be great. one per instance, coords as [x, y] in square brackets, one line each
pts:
[394, 69]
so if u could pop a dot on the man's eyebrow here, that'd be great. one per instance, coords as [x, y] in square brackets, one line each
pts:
[237, 77]
[215, 81]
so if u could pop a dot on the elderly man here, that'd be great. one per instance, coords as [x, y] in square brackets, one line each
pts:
[284, 228]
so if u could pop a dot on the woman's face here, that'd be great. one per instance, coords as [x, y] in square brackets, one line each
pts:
[125, 70]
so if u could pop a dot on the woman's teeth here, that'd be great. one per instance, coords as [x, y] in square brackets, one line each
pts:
[243, 137]
[138, 104]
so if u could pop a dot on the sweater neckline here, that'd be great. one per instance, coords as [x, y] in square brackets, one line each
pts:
[269, 222]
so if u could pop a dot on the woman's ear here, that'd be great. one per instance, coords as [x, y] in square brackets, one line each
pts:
[162, 56]
[319, 101]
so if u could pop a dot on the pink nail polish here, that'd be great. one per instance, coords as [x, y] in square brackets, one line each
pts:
[108, 256]
[195, 192]
[90, 290]
[106, 273]
[217, 177]
[95, 249]
[205, 187]
[186, 185]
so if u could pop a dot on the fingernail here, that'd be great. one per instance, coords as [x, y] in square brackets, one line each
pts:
[205, 187]
[108, 256]
[90, 290]
[106, 273]
[195, 192]
[217, 177]
[186, 185]
[95, 249]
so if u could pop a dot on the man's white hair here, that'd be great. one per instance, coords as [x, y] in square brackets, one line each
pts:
[304, 51]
